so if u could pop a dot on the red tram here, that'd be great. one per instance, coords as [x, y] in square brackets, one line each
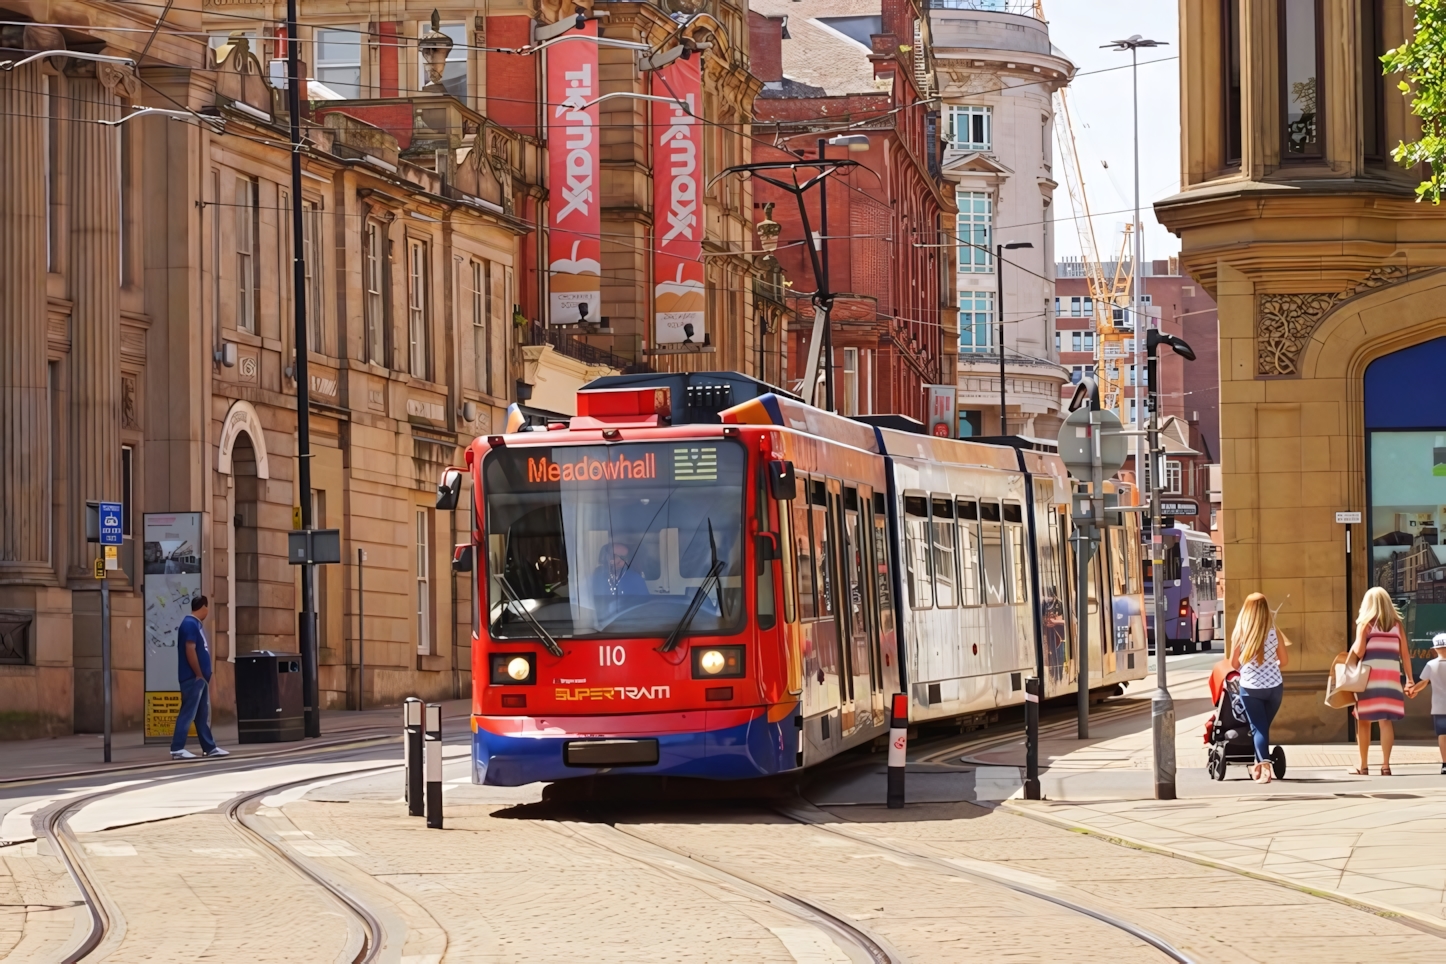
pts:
[665, 594]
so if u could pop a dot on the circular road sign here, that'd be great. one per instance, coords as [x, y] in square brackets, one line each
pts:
[1075, 443]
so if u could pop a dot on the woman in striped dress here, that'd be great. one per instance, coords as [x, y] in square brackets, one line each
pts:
[1381, 645]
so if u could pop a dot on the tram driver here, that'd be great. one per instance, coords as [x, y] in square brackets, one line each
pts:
[614, 578]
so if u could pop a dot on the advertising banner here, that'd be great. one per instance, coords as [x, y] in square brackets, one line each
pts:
[678, 293]
[943, 400]
[172, 560]
[573, 155]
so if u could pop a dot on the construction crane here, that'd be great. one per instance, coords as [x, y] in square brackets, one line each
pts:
[1110, 294]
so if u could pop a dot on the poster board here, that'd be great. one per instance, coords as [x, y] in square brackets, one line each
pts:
[172, 572]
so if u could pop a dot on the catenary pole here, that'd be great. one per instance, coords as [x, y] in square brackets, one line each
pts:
[307, 623]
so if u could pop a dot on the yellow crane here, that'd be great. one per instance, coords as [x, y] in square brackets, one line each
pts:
[1108, 293]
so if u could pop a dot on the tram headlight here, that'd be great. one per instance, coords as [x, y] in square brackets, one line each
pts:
[513, 669]
[718, 662]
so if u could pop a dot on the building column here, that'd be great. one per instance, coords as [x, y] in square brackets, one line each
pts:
[94, 161]
[24, 389]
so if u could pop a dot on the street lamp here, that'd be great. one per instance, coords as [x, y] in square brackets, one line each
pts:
[434, 46]
[999, 250]
[1162, 707]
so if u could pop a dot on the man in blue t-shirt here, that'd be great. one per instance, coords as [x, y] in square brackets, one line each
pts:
[194, 672]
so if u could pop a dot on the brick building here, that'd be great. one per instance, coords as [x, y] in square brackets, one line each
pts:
[832, 67]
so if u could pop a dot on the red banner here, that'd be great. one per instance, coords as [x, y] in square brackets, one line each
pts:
[679, 294]
[574, 252]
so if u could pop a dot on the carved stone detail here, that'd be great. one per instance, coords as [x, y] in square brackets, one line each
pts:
[1286, 321]
[129, 417]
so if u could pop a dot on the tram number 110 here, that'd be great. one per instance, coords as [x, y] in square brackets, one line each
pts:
[611, 655]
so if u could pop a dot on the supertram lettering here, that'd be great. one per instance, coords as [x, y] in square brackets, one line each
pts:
[592, 470]
[613, 693]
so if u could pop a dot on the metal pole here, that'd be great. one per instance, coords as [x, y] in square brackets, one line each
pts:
[898, 749]
[1033, 687]
[105, 656]
[1139, 279]
[412, 754]
[361, 632]
[1350, 633]
[999, 306]
[1162, 707]
[1082, 555]
[311, 696]
[824, 283]
[433, 752]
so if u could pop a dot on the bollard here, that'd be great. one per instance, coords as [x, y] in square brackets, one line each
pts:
[433, 747]
[1032, 690]
[412, 733]
[898, 749]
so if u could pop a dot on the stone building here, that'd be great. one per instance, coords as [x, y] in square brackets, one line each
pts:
[997, 71]
[1327, 273]
[147, 350]
[855, 69]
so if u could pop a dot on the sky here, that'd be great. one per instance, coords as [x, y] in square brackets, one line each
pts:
[1101, 106]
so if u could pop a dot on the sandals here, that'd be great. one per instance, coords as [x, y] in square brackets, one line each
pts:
[1385, 771]
[1359, 771]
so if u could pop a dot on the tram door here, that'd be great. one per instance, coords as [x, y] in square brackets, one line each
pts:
[860, 611]
[841, 601]
[886, 646]
[822, 529]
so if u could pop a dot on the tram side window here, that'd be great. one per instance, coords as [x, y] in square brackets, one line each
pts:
[944, 566]
[1134, 565]
[803, 554]
[822, 543]
[992, 540]
[916, 536]
[787, 548]
[1118, 561]
[881, 570]
[968, 512]
[1051, 597]
[1018, 559]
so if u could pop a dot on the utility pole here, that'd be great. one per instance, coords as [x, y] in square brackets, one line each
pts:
[1162, 707]
[306, 627]
[999, 250]
[823, 285]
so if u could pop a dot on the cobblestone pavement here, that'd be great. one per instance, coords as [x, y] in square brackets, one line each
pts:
[40, 906]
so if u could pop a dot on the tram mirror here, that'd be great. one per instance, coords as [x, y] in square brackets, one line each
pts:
[449, 490]
[462, 558]
[782, 483]
[767, 547]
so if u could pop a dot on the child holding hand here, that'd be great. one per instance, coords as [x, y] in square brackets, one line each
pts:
[1434, 672]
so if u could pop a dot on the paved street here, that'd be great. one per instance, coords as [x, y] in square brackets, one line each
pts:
[972, 875]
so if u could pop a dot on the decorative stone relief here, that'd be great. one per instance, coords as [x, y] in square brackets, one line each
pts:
[129, 416]
[1286, 321]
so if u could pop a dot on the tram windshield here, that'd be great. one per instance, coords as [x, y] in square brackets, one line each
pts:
[605, 541]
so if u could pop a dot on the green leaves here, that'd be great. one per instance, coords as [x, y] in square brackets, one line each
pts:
[1422, 59]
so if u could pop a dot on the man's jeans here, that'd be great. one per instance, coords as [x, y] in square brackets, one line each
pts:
[195, 705]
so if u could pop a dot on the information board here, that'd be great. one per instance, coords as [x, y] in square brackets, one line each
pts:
[172, 572]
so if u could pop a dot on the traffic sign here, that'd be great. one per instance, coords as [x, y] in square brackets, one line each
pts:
[1076, 443]
[111, 514]
[1348, 518]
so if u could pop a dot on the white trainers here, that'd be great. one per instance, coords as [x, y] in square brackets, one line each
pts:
[182, 755]
[217, 751]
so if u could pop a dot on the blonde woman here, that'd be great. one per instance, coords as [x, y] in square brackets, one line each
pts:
[1381, 645]
[1256, 651]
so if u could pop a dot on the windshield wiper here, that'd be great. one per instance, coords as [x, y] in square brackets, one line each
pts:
[511, 595]
[671, 643]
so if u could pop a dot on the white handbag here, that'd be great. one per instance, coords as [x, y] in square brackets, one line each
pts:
[1352, 677]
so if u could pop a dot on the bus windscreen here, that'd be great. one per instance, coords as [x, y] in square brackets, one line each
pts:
[609, 541]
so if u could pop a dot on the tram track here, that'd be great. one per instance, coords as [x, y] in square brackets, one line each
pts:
[107, 922]
[673, 861]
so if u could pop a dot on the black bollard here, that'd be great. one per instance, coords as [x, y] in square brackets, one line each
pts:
[1032, 689]
[433, 745]
[898, 749]
[412, 733]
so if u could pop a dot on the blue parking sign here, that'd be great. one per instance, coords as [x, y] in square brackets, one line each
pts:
[110, 523]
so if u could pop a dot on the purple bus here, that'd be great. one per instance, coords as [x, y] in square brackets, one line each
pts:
[1191, 601]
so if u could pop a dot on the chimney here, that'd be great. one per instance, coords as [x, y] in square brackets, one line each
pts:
[765, 46]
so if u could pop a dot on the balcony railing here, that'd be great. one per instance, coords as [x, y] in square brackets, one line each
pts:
[1023, 8]
[566, 344]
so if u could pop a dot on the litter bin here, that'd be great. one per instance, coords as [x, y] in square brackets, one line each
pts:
[268, 697]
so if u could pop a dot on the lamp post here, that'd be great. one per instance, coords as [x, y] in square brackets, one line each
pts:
[1133, 44]
[999, 250]
[1162, 707]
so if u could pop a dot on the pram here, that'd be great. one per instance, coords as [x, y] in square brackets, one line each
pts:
[1227, 733]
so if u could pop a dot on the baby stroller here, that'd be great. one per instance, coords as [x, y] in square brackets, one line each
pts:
[1227, 733]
